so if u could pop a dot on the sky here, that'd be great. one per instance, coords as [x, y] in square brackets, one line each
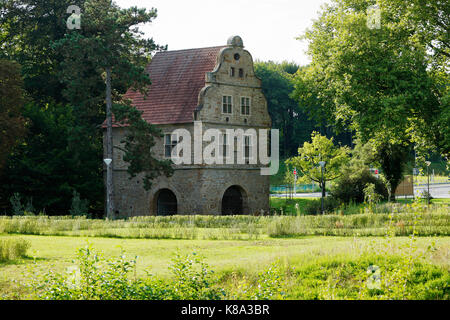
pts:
[268, 27]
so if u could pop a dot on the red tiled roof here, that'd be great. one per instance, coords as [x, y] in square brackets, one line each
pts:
[177, 78]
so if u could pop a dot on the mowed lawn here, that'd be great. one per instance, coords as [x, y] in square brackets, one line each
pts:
[154, 256]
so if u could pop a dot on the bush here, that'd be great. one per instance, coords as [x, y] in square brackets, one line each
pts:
[11, 249]
[79, 207]
[330, 204]
[16, 205]
[350, 188]
[95, 278]
[193, 279]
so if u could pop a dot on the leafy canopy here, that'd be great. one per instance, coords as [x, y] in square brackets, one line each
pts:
[385, 83]
[320, 149]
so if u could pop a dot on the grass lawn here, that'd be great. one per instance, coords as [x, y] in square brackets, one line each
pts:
[224, 257]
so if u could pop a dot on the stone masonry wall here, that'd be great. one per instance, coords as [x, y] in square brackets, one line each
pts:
[199, 188]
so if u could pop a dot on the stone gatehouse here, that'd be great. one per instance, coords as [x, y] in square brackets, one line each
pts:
[216, 86]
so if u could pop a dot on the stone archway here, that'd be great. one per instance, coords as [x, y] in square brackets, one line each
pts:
[166, 203]
[234, 201]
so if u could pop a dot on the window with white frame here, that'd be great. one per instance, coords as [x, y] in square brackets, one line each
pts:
[170, 141]
[245, 106]
[227, 104]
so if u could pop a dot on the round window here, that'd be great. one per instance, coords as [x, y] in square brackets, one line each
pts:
[237, 56]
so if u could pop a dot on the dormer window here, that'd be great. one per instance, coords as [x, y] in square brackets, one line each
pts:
[227, 104]
[245, 106]
[232, 72]
[241, 73]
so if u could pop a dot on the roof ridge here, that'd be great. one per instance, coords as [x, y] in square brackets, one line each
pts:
[213, 47]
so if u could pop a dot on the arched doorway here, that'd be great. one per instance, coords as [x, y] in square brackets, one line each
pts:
[233, 201]
[166, 203]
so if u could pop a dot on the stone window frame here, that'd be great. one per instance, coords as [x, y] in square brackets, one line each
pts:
[229, 104]
[232, 72]
[169, 146]
[249, 105]
[241, 73]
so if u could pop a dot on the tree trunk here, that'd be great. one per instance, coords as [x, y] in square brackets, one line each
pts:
[323, 189]
[109, 149]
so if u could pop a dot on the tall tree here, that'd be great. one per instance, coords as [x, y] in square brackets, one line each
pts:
[277, 84]
[12, 124]
[375, 81]
[111, 44]
[28, 29]
[64, 75]
[320, 149]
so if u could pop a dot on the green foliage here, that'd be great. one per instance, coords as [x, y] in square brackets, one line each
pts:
[11, 249]
[16, 205]
[370, 194]
[49, 165]
[277, 85]
[63, 74]
[97, 278]
[350, 187]
[330, 204]
[356, 177]
[345, 221]
[320, 149]
[111, 39]
[79, 207]
[193, 279]
[387, 83]
[12, 124]
[347, 278]
[269, 284]
[399, 276]
[138, 141]
[393, 159]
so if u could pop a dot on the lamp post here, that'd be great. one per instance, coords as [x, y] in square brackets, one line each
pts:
[322, 165]
[428, 180]
[109, 202]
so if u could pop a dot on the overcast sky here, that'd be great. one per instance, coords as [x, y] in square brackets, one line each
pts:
[268, 27]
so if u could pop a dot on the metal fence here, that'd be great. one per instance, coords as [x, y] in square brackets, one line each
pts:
[289, 188]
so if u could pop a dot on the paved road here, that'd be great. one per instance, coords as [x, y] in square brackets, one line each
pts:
[437, 191]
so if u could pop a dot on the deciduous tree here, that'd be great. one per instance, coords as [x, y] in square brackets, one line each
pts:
[320, 149]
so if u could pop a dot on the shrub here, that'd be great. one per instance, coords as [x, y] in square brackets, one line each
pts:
[330, 204]
[193, 279]
[79, 207]
[11, 249]
[16, 205]
[350, 188]
[424, 195]
[269, 284]
[95, 278]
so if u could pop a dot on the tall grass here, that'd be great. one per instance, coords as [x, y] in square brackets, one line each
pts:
[11, 249]
[434, 220]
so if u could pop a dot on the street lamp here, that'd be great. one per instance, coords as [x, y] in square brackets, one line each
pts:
[109, 208]
[322, 166]
[428, 180]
